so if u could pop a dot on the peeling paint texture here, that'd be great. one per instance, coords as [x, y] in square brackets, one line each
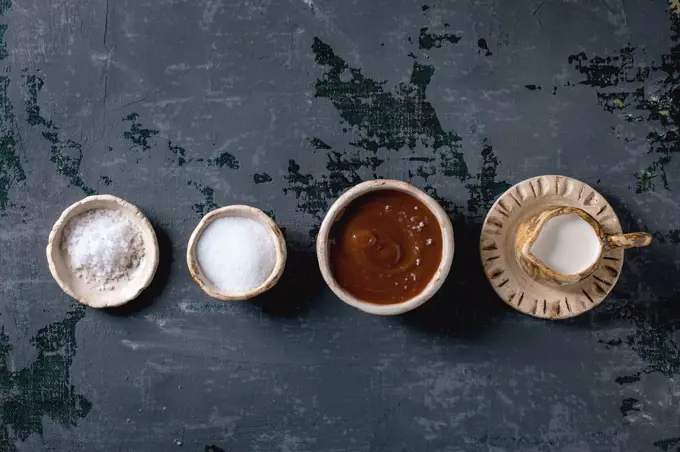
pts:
[181, 107]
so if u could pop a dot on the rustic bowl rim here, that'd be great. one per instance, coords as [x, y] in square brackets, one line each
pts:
[323, 255]
[65, 217]
[568, 191]
[237, 210]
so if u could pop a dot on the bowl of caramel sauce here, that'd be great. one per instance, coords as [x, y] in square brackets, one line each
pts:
[385, 247]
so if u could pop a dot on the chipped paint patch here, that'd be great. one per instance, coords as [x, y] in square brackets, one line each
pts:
[428, 40]
[140, 136]
[313, 193]
[624, 86]
[225, 159]
[667, 444]
[179, 153]
[208, 203]
[384, 119]
[66, 154]
[396, 121]
[43, 389]
[485, 188]
[262, 178]
[11, 170]
[318, 144]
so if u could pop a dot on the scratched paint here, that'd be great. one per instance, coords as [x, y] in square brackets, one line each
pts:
[141, 138]
[623, 84]
[383, 118]
[653, 340]
[484, 47]
[668, 444]
[428, 40]
[213, 448]
[396, 120]
[318, 144]
[541, 443]
[262, 178]
[3, 29]
[225, 159]
[179, 154]
[11, 169]
[66, 154]
[42, 389]
[314, 192]
[484, 188]
[208, 202]
[628, 406]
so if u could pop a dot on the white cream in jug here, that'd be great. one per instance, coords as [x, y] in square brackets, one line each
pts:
[567, 244]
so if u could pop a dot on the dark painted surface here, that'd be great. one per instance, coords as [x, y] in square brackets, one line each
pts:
[183, 106]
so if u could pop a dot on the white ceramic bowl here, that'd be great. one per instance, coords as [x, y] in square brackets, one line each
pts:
[77, 287]
[244, 212]
[338, 207]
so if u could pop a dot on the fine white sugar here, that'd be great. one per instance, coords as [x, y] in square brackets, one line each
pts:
[568, 244]
[103, 247]
[237, 254]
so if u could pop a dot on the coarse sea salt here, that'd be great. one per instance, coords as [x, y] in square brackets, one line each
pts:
[237, 254]
[103, 247]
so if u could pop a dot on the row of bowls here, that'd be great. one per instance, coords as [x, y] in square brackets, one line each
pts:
[101, 299]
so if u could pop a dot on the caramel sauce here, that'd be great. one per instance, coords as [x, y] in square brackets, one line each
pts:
[386, 247]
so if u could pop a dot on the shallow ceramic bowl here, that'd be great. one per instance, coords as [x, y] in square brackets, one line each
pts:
[334, 213]
[78, 288]
[244, 212]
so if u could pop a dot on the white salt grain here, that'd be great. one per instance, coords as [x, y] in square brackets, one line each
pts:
[103, 248]
[237, 254]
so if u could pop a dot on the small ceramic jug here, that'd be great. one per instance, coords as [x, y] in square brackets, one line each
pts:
[529, 231]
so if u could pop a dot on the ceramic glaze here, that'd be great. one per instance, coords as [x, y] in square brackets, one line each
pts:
[567, 244]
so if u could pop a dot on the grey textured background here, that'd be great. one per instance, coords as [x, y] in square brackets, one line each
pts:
[298, 370]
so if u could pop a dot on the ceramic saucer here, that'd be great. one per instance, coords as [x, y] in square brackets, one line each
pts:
[497, 243]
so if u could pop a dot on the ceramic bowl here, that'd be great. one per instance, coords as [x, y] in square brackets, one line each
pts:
[336, 210]
[77, 287]
[244, 212]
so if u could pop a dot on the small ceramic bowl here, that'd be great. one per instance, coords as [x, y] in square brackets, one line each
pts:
[77, 287]
[244, 212]
[334, 213]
